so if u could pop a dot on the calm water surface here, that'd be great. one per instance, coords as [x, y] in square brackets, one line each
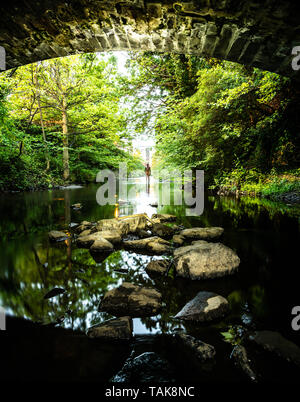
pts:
[264, 234]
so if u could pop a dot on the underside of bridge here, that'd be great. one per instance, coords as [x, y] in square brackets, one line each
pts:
[257, 33]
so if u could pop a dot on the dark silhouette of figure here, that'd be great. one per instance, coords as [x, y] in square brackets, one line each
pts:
[148, 174]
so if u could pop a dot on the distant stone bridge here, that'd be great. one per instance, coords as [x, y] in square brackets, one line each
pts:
[252, 32]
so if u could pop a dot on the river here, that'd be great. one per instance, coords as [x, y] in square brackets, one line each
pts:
[264, 234]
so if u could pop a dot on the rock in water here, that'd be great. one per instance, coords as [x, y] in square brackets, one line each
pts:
[158, 229]
[201, 350]
[89, 240]
[274, 342]
[239, 355]
[152, 245]
[206, 306]
[131, 300]
[158, 266]
[148, 367]
[125, 224]
[159, 218]
[101, 245]
[178, 240]
[56, 235]
[113, 224]
[203, 260]
[116, 328]
[202, 233]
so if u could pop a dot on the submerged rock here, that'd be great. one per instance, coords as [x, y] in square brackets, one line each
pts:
[116, 328]
[147, 367]
[131, 300]
[158, 218]
[203, 260]
[158, 266]
[206, 306]
[274, 342]
[201, 350]
[152, 245]
[202, 233]
[101, 245]
[158, 229]
[56, 235]
[239, 355]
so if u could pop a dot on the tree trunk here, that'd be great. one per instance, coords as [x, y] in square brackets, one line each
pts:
[41, 118]
[65, 140]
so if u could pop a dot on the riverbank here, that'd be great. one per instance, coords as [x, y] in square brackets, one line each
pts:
[284, 187]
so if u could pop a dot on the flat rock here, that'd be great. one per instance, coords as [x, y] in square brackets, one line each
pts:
[202, 233]
[161, 230]
[274, 342]
[163, 218]
[147, 367]
[56, 235]
[152, 245]
[101, 245]
[158, 266]
[206, 306]
[116, 328]
[131, 300]
[125, 224]
[203, 260]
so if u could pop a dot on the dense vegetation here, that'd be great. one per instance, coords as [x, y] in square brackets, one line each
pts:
[65, 119]
[61, 122]
[240, 124]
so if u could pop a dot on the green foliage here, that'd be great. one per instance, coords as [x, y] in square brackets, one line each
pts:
[235, 122]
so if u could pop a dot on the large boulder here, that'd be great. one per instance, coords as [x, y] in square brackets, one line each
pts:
[56, 235]
[131, 300]
[203, 260]
[147, 367]
[116, 328]
[111, 236]
[158, 267]
[164, 231]
[151, 245]
[274, 342]
[159, 218]
[206, 306]
[202, 233]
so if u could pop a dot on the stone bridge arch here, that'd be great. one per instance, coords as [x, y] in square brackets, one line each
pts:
[261, 34]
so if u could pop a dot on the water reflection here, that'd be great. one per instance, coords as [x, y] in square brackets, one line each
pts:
[264, 234]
